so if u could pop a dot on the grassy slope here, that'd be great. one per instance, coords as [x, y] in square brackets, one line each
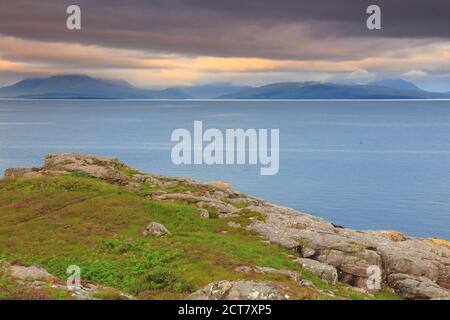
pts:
[63, 220]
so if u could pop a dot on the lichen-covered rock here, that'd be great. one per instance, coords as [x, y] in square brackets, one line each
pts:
[233, 224]
[441, 242]
[102, 168]
[322, 270]
[307, 283]
[291, 274]
[32, 273]
[219, 207]
[239, 290]
[444, 274]
[416, 287]
[397, 261]
[394, 235]
[156, 229]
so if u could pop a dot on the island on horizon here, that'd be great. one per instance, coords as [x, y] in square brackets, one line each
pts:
[86, 87]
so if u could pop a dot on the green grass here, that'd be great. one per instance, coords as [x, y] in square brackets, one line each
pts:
[128, 171]
[213, 213]
[241, 205]
[58, 221]
[246, 217]
[180, 188]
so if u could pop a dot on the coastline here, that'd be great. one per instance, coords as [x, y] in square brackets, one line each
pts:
[413, 267]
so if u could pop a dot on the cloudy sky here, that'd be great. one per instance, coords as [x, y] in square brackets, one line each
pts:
[159, 43]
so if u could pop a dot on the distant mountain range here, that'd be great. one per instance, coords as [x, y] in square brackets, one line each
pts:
[85, 87]
[395, 84]
[391, 89]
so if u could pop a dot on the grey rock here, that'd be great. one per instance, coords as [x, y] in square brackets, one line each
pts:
[220, 207]
[153, 181]
[307, 252]
[324, 271]
[416, 287]
[244, 269]
[239, 290]
[307, 283]
[103, 168]
[156, 229]
[292, 274]
[234, 224]
[444, 274]
[31, 273]
[351, 252]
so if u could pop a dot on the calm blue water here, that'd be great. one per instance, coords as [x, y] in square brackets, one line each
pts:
[366, 165]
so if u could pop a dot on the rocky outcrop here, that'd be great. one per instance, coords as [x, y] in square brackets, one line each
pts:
[102, 168]
[240, 290]
[414, 267]
[156, 229]
[108, 169]
[416, 287]
[352, 252]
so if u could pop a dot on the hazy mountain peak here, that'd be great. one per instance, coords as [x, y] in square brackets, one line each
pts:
[212, 90]
[395, 84]
[324, 90]
[83, 86]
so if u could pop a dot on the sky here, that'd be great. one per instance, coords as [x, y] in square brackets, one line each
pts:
[163, 43]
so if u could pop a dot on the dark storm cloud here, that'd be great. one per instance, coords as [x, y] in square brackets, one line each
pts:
[223, 28]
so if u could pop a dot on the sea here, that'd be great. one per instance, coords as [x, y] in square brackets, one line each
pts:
[359, 164]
